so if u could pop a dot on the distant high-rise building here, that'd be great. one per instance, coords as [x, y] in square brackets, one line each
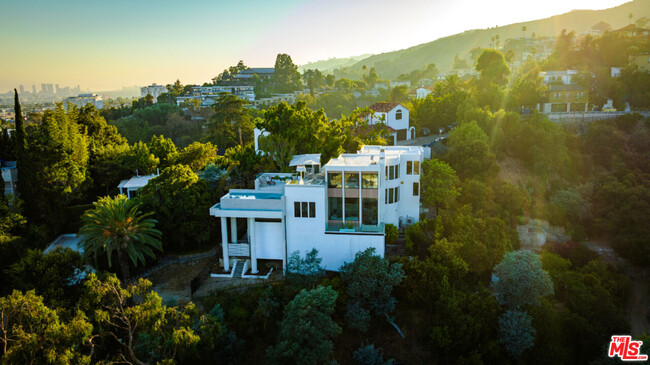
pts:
[50, 89]
[57, 89]
[43, 89]
[22, 89]
[33, 89]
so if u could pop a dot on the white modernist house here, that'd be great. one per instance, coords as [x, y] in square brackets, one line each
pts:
[339, 209]
[84, 99]
[154, 90]
[131, 186]
[396, 118]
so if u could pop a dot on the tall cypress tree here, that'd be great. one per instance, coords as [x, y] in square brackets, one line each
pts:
[25, 179]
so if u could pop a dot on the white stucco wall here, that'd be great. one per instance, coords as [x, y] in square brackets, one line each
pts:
[303, 234]
[269, 237]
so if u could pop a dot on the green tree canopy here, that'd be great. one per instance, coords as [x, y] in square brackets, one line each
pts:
[297, 130]
[32, 333]
[369, 281]
[307, 329]
[528, 90]
[197, 155]
[230, 121]
[146, 332]
[179, 201]
[469, 153]
[164, 149]
[492, 67]
[516, 332]
[521, 280]
[56, 276]
[439, 183]
[286, 78]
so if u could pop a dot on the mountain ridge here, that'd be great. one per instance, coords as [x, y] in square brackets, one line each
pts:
[442, 51]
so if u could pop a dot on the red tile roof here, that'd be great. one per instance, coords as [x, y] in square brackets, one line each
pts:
[383, 107]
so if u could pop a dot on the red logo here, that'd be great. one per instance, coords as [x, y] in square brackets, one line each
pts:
[626, 349]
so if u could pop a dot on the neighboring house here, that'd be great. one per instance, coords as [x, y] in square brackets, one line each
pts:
[632, 31]
[208, 95]
[263, 72]
[9, 176]
[641, 61]
[380, 85]
[131, 186]
[615, 71]
[395, 83]
[565, 98]
[395, 116]
[339, 209]
[422, 92]
[275, 99]
[154, 90]
[84, 99]
[558, 77]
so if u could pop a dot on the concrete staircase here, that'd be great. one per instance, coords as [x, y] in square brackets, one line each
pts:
[239, 268]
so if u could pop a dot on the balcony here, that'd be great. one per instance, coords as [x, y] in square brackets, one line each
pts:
[341, 228]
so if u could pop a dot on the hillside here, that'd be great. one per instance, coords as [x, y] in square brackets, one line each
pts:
[332, 63]
[442, 51]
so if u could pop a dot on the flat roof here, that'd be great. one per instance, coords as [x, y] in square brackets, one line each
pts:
[136, 182]
[306, 159]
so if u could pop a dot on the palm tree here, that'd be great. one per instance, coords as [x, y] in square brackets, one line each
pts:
[451, 84]
[116, 224]
[523, 29]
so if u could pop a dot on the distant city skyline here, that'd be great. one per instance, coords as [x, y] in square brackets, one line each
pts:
[109, 45]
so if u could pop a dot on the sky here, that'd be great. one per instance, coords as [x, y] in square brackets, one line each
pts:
[105, 45]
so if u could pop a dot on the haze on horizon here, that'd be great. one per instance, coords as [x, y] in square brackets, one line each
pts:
[104, 46]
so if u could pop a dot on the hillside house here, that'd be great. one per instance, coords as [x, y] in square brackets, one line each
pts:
[339, 209]
[565, 98]
[395, 116]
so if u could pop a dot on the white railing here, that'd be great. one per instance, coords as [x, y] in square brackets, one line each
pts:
[239, 249]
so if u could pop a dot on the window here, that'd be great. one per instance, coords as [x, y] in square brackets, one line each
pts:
[391, 171]
[396, 194]
[352, 180]
[352, 209]
[335, 206]
[416, 167]
[370, 211]
[396, 171]
[334, 180]
[369, 181]
[416, 189]
[391, 196]
[409, 167]
[304, 209]
[398, 114]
